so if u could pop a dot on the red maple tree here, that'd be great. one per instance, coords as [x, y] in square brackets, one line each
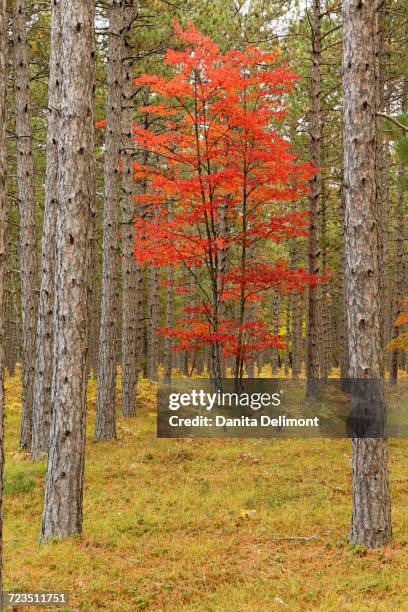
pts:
[221, 186]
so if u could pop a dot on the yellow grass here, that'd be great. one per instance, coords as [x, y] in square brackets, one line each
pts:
[195, 524]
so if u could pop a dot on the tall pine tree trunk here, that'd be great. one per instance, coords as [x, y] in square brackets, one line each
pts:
[131, 274]
[26, 200]
[371, 514]
[312, 367]
[41, 414]
[62, 515]
[105, 427]
[3, 167]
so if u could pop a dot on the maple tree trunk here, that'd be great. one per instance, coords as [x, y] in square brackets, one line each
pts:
[222, 270]
[312, 367]
[26, 201]
[371, 510]
[132, 279]
[105, 425]
[42, 409]
[62, 515]
[3, 191]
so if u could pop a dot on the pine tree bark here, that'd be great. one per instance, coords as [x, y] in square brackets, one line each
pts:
[312, 366]
[169, 320]
[12, 328]
[297, 335]
[105, 427]
[168, 354]
[41, 413]
[344, 361]
[371, 514]
[324, 353]
[275, 352]
[26, 200]
[399, 270]
[3, 169]
[62, 515]
[399, 251]
[288, 310]
[153, 314]
[131, 274]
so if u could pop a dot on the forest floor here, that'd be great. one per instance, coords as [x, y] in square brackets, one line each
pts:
[216, 525]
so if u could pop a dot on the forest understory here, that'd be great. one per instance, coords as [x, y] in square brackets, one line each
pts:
[214, 525]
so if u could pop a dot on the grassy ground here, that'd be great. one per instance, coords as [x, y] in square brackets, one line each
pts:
[201, 525]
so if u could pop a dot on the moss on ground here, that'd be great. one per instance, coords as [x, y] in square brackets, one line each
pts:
[201, 524]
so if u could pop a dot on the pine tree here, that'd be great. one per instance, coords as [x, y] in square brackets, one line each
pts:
[62, 515]
[371, 516]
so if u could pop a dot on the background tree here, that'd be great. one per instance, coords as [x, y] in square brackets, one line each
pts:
[3, 169]
[27, 206]
[42, 408]
[105, 427]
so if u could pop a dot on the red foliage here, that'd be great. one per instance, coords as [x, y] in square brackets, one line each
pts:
[100, 124]
[222, 183]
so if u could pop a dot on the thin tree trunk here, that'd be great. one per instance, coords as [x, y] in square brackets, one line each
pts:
[382, 179]
[275, 352]
[324, 353]
[153, 314]
[12, 329]
[312, 366]
[26, 199]
[288, 310]
[399, 260]
[168, 354]
[371, 515]
[169, 317]
[344, 361]
[3, 169]
[62, 515]
[297, 336]
[105, 427]
[41, 414]
[399, 251]
[132, 278]
[94, 315]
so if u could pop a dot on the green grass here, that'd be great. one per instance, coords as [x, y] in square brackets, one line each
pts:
[201, 529]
